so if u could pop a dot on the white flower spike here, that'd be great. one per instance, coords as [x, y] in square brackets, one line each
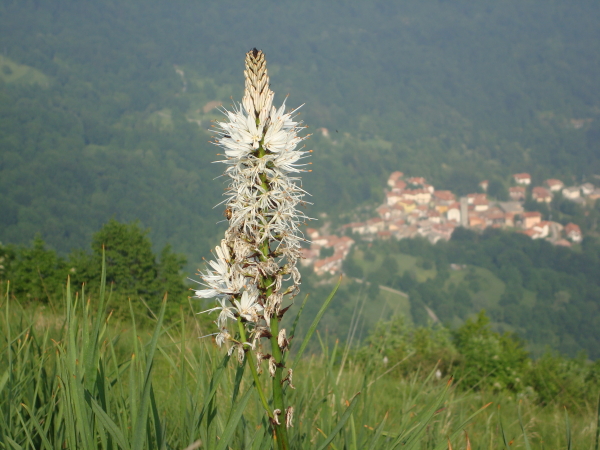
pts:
[254, 268]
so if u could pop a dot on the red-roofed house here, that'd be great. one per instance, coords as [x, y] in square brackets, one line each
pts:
[472, 197]
[444, 197]
[394, 177]
[554, 185]
[475, 220]
[481, 204]
[374, 225]
[541, 194]
[542, 228]
[417, 181]
[393, 197]
[573, 232]
[420, 196]
[531, 218]
[522, 178]
[434, 216]
[384, 211]
[494, 216]
[329, 265]
[517, 193]
[399, 185]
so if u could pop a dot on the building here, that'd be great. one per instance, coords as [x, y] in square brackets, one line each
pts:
[595, 195]
[416, 181]
[587, 189]
[522, 178]
[531, 218]
[511, 207]
[571, 193]
[453, 212]
[312, 233]
[443, 198]
[554, 185]
[517, 193]
[484, 185]
[394, 177]
[541, 195]
[481, 204]
[472, 198]
[573, 232]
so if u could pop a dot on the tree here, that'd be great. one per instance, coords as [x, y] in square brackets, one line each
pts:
[132, 269]
[489, 359]
[35, 273]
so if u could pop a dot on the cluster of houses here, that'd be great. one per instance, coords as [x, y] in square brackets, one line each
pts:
[415, 208]
[339, 247]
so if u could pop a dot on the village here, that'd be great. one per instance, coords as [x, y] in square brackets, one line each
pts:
[414, 208]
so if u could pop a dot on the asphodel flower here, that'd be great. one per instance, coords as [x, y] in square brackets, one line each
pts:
[254, 269]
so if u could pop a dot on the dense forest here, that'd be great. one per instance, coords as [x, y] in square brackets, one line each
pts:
[102, 104]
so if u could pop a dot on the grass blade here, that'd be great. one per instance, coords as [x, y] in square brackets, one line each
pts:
[464, 423]
[296, 320]
[568, 428]
[597, 447]
[378, 432]
[233, 420]
[139, 430]
[346, 414]
[315, 323]
[525, 439]
[109, 424]
[504, 440]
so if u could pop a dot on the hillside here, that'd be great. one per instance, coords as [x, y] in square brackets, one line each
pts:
[104, 106]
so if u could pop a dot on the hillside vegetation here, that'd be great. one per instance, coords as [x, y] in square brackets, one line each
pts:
[104, 105]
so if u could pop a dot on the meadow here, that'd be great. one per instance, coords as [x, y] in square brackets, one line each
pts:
[80, 378]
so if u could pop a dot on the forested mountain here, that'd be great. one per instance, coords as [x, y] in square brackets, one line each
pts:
[102, 103]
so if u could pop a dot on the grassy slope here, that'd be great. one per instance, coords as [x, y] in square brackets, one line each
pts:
[13, 72]
[180, 370]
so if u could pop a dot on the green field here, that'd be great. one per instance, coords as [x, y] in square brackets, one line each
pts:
[12, 72]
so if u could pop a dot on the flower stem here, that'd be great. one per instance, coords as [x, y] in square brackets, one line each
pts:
[280, 431]
[278, 401]
[252, 364]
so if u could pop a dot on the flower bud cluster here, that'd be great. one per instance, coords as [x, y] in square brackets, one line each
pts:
[254, 268]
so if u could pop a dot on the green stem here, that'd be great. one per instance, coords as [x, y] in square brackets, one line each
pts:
[278, 401]
[280, 431]
[257, 384]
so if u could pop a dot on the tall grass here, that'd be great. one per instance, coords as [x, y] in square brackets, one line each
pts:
[83, 382]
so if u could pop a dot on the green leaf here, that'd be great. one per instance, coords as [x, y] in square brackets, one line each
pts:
[525, 439]
[139, 430]
[378, 432]
[597, 447]
[109, 424]
[504, 440]
[233, 420]
[315, 323]
[346, 414]
[464, 423]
